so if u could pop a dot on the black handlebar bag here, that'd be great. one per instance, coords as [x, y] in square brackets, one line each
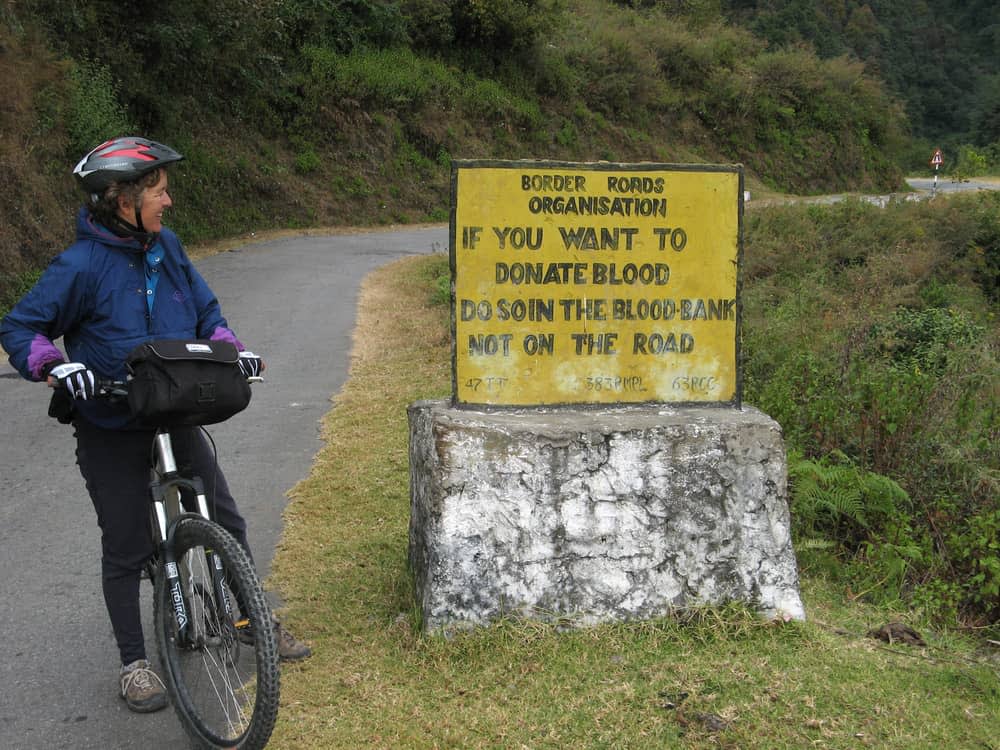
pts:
[176, 383]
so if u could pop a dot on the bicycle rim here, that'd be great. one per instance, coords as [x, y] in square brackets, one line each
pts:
[224, 691]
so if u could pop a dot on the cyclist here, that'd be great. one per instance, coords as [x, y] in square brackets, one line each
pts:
[125, 280]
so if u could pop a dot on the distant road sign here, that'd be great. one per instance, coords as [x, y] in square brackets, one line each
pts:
[937, 159]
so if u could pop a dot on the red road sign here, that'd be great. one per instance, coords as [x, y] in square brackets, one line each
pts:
[937, 159]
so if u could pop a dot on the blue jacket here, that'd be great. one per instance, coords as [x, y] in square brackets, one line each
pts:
[94, 295]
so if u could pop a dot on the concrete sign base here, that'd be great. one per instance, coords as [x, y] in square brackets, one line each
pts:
[584, 516]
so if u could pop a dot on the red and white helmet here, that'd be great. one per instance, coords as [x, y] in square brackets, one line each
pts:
[122, 160]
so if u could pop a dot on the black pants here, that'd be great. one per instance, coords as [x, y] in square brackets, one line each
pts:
[115, 465]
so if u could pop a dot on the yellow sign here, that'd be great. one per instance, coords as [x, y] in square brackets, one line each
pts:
[595, 283]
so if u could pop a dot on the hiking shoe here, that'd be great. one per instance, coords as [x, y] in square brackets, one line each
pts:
[290, 648]
[142, 688]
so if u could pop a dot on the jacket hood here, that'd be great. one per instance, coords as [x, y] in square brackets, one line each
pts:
[88, 228]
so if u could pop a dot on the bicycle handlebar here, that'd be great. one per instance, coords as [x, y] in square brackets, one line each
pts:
[119, 388]
[111, 388]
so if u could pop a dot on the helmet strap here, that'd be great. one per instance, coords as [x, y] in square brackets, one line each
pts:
[124, 229]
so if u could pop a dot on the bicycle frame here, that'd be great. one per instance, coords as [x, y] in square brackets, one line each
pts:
[167, 510]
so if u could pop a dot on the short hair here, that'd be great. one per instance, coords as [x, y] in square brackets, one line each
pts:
[104, 207]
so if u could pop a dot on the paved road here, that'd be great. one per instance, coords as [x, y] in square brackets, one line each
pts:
[945, 185]
[292, 301]
[924, 188]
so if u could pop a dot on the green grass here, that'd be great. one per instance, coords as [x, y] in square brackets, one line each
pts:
[714, 678]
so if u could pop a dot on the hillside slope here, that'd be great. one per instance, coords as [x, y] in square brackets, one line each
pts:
[297, 115]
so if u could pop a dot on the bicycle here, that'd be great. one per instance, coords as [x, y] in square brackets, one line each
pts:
[213, 623]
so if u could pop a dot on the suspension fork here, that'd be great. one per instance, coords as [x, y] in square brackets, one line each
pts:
[165, 490]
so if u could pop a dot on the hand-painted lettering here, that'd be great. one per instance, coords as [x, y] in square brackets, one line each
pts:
[584, 309]
[657, 343]
[615, 383]
[519, 309]
[713, 309]
[678, 237]
[539, 344]
[595, 343]
[525, 309]
[600, 205]
[470, 236]
[472, 310]
[617, 184]
[695, 383]
[489, 344]
[571, 284]
[643, 309]
[554, 182]
[519, 237]
[630, 273]
[488, 383]
[587, 238]
[541, 273]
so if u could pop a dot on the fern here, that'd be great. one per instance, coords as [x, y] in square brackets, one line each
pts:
[834, 497]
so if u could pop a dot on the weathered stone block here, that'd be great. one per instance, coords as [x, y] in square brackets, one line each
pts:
[597, 515]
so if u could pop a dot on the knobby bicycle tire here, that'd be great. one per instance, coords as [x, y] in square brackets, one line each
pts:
[224, 690]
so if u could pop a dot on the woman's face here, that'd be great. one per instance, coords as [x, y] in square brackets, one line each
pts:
[153, 201]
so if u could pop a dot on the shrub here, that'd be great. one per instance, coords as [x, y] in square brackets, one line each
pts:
[868, 339]
[96, 113]
[976, 550]
[970, 164]
[984, 246]
[834, 499]
[865, 514]
[428, 23]
[501, 28]
[307, 161]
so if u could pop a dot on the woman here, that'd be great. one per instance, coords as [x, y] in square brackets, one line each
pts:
[124, 281]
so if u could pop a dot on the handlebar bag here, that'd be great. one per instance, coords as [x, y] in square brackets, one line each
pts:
[176, 382]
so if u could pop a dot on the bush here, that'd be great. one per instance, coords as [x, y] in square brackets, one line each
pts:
[307, 161]
[428, 24]
[96, 112]
[866, 515]
[984, 247]
[834, 499]
[869, 340]
[970, 164]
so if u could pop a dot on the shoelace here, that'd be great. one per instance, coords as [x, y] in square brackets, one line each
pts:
[142, 678]
[284, 636]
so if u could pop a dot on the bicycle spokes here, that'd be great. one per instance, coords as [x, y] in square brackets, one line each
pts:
[218, 677]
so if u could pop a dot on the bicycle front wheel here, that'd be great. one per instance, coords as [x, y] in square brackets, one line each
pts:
[224, 687]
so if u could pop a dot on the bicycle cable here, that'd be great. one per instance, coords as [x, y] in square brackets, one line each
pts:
[215, 472]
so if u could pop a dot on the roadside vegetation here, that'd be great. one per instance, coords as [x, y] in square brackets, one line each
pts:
[871, 336]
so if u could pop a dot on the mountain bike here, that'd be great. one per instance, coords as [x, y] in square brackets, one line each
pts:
[213, 623]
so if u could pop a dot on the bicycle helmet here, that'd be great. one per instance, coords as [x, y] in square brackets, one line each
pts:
[122, 160]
